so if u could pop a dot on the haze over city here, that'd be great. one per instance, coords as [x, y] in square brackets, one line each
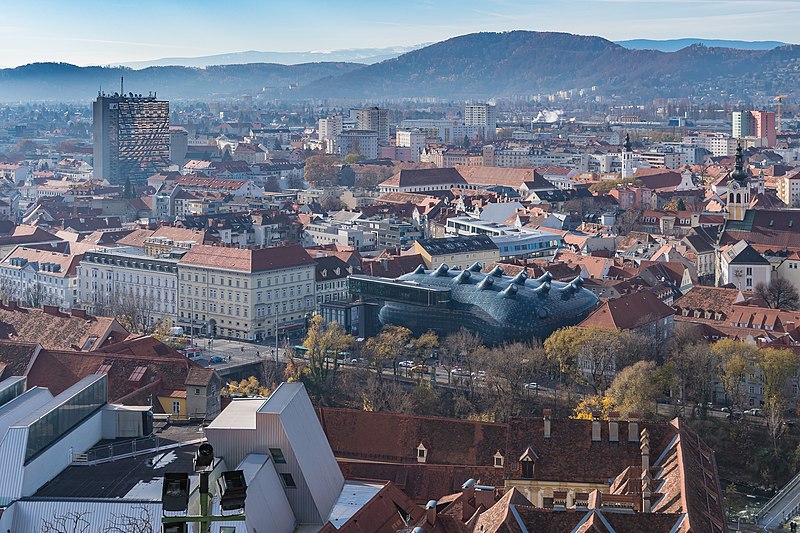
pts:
[95, 32]
[399, 267]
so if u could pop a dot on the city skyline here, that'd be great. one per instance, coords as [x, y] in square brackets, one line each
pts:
[90, 32]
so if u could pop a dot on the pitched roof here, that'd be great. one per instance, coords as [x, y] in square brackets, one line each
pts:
[245, 260]
[424, 177]
[509, 177]
[56, 330]
[628, 312]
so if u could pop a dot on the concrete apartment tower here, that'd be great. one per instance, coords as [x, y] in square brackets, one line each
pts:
[131, 137]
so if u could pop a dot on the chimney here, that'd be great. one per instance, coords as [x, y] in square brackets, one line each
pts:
[468, 506]
[12, 305]
[547, 413]
[79, 313]
[595, 427]
[633, 427]
[51, 310]
[613, 426]
[644, 446]
[645, 493]
[430, 512]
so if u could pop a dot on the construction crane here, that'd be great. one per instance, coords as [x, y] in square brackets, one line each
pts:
[779, 98]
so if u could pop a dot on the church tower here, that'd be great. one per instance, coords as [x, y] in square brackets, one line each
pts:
[738, 189]
[627, 158]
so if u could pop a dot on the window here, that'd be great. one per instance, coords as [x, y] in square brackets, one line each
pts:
[277, 456]
[498, 460]
[176, 408]
[422, 453]
[527, 468]
[288, 481]
[197, 390]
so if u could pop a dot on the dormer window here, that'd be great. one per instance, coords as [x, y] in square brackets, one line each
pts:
[422, 453]
[498, 460]
[528, 461]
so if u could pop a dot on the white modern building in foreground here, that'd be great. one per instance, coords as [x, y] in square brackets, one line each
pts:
[40, 433]
[293, 481]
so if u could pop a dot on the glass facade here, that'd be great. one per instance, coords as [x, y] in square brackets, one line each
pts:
[65, 417]
[11, 388]
[368, 287]
[497, 307]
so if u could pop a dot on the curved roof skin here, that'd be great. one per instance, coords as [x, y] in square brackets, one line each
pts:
[497, 307]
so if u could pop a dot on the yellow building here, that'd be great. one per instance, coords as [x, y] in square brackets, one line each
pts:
[457, 252]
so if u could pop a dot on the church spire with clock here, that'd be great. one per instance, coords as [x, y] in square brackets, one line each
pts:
[738, 189]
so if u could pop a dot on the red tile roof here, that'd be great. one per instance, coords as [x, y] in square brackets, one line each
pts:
[628, 312]
[246, 260]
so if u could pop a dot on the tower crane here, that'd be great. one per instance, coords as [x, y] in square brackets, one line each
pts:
[779, 98]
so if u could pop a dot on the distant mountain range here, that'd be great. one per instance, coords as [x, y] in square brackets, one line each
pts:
[673, 45]
[367, 56]
[479, 65]
[370, 56]
[485, 65]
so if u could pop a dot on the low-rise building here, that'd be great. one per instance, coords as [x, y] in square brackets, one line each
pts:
[457, 252]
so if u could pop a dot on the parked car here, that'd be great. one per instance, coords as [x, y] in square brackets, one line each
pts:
[216, 359]
[531, 386]
[457, 372]
[753, 412]
[421, 369]
[406, 364]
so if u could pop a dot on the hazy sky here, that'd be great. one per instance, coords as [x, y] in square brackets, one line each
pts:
[100, 32]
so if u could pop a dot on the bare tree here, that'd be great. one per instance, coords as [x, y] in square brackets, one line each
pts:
[35, 295]
[508, 368]
[139, 521]
[380, 395]
[69, 522]
[776, 423]
[134, 309]
[779, 294]
[462, 349]
[7, 289]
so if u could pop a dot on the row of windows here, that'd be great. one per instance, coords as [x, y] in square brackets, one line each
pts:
[231, 282]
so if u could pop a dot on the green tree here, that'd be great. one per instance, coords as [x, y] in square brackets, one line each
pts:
[634, 389]
[777, 366]
[321, 169]
[587, 356]
[246, 387]
[352, 158]
[425, 344]
[386, 346]
[736, 359]
[324, 340]
[694, 368]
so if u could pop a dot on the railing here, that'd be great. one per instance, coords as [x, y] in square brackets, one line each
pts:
[791, 485]
[122, 450]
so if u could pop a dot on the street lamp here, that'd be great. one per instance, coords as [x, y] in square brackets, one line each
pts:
[175, 495]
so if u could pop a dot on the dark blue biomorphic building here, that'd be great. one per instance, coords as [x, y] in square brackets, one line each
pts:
[497, 307]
